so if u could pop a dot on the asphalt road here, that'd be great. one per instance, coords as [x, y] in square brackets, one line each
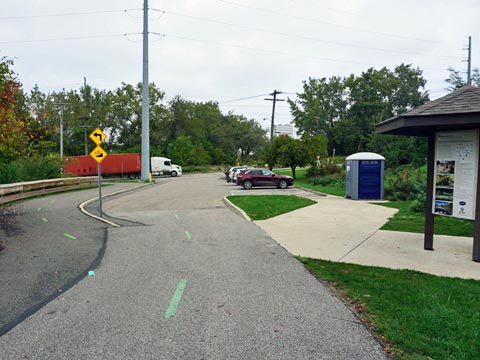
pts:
[195, 282]
[48, 244]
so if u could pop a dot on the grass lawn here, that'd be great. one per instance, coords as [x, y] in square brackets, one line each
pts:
[261, 207]
[302, 181]
[415, 315]
[409, 221]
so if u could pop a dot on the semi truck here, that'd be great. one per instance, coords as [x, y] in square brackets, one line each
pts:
[124, 165]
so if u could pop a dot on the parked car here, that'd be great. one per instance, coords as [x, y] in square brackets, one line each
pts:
[239, 171]
[229, 173]
[262, 177]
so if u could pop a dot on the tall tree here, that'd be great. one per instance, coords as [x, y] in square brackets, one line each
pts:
[321, 104]
[215, 137]
[346, 110]
[456, 79]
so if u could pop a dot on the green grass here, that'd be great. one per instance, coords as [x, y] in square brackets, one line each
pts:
[420, 316]
[337, 189]
[261, 207]
[409, 221]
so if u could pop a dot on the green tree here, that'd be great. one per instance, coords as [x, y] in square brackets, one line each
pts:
[124, 117]
[346, 110]
[456, 79]
[42, 126]
[215, 137]
[251, 139]
[181, 150]
[320, 106]
[291, 152]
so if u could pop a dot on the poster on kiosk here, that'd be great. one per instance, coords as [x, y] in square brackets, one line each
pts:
[456, 161]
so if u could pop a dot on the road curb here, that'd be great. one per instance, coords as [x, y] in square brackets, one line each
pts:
[236, 209]
[88, 202]
[312, 191]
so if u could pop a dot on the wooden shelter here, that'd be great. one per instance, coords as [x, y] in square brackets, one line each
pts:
[459, 110]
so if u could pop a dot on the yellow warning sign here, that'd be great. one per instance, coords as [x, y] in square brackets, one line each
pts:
[98, 154]
[97, 136]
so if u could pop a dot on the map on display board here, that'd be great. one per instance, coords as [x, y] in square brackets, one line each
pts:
[456, 161]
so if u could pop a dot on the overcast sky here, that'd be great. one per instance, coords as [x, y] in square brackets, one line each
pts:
[225, 50]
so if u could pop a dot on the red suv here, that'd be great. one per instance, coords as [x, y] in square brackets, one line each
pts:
[262, 177]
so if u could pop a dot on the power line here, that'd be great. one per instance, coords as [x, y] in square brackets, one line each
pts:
[247, 106]
[66, 14]
[324, 22]
[242, 98]
[69, 38]
[277, 52]
[309, 38]
[228, 24]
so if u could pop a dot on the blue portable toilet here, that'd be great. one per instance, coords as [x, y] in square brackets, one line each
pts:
[364, 176]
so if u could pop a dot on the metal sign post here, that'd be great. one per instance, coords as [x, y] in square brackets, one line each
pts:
[100, 189]
[98, 154]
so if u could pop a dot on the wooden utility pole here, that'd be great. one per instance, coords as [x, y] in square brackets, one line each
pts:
[274, 94]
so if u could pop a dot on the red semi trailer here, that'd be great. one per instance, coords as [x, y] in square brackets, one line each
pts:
[128, 165]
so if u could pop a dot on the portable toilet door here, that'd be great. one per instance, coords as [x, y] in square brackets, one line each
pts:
[370, 177]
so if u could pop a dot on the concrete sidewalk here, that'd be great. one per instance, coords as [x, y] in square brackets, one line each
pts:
[343, 230]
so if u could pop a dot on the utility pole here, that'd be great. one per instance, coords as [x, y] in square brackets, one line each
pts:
[274, 94]
[61, 130]
[61, 104]
[469, 71]
[145, 100]
[85, 136]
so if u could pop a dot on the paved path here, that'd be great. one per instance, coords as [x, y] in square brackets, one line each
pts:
[48, 244]
[244, 296]
[343, 230]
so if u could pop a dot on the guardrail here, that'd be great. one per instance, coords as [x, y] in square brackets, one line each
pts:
[22, 190]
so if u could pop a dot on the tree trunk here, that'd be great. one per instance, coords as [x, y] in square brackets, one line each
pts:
[293, 171]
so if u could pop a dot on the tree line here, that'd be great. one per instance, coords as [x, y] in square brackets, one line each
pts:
[192, 133]
[331, 113]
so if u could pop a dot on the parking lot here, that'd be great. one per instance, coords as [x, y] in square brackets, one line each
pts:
[234, 189]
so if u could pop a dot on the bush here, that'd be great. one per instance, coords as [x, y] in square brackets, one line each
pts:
[326, 169]
[29, 169]
[418, 205]
[327, 180]
[404, 185]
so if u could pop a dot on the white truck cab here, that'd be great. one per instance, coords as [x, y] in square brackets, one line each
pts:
[164, 166]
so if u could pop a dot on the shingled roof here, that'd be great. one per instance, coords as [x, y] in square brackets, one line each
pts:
[458, 110]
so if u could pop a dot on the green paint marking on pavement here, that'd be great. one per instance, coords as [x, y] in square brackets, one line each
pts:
[52, 202]
[38, 209]
[176, 217]
[187, 234]
[177, 296]
[44, 220]
[69, 236]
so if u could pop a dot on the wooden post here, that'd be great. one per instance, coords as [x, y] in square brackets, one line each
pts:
[429, 217]
[476, 226]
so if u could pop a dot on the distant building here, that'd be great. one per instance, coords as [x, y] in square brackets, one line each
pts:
[286, 129]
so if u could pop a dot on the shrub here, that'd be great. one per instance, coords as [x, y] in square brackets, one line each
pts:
[327, 169]
[29, 169]
[327, 180]
[401, 185]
